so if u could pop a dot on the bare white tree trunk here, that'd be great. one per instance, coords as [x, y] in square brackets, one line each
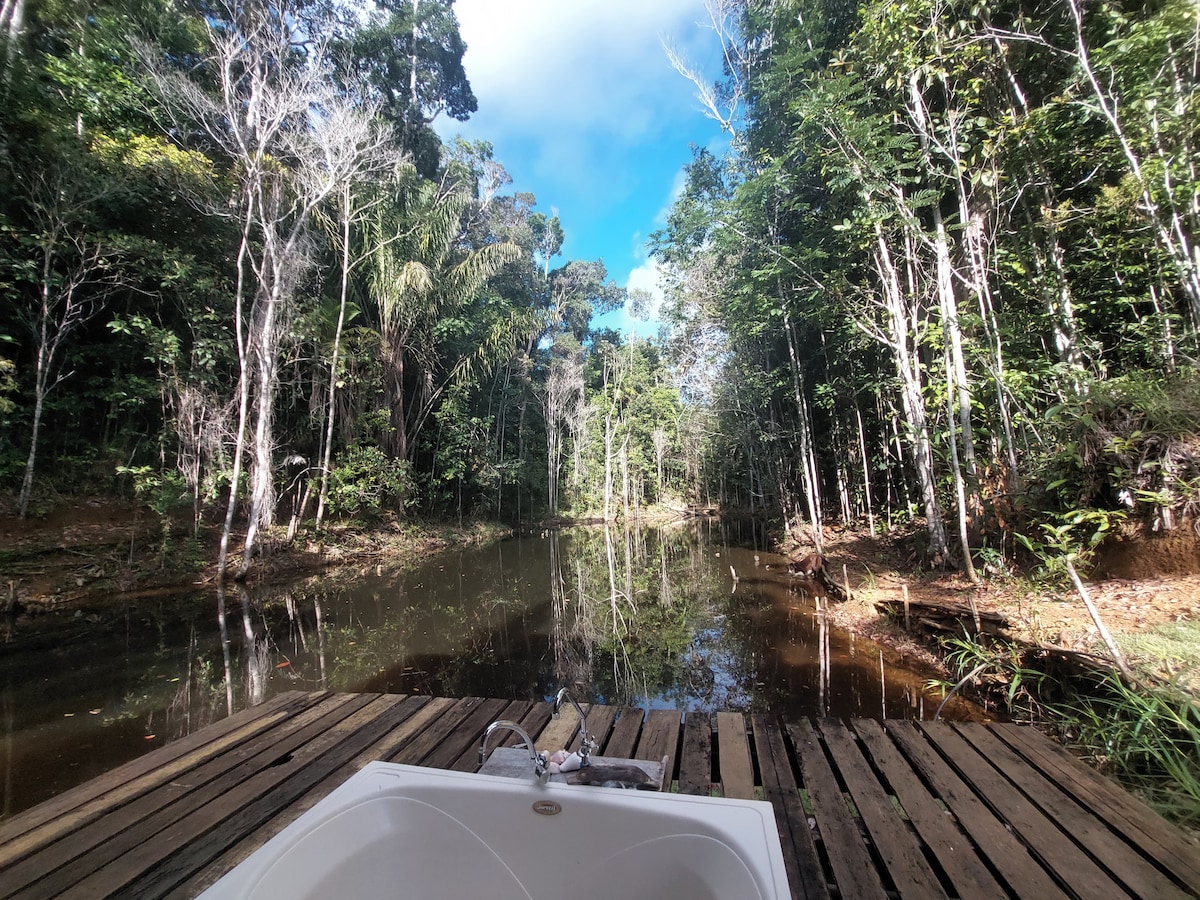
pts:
[243, 388]
[264, 113]
[1172, 231]
[862, 451]
[660, 440]
[958, 392]
[12, 20]
[901, 329]
[335, 357]
[1105, 636]
[73, 287]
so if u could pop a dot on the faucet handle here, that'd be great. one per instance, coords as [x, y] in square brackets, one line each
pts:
[586, 745]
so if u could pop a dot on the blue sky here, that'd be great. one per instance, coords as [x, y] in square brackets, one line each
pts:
[583, 108]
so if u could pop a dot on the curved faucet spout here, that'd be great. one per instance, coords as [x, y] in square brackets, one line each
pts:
[541, 770]
[586, 743]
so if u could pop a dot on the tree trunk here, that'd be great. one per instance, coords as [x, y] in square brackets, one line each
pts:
[862, 450]
[394, 395]
[908, 368]
[808, 462]
[1171, 232]
[331, 404]
[243, 387]
[957, 388]
[41, 386]
[12, 18]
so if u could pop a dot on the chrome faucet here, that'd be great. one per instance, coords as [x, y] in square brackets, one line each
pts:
[541, 769]
[586, 744]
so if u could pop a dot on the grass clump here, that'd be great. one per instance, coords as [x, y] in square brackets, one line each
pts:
[1170, 650]
[1147, 736]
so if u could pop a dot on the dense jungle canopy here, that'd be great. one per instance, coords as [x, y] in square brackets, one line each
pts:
[946, 271]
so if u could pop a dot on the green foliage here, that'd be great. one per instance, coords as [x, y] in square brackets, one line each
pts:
[1070, 537]
[1148, 736]
[8, 386]
[365, 482]
[1135, 433]
[165, 493]
[998, 672]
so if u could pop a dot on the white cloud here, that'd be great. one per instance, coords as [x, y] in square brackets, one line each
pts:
[646, 277]
[582, 106]
[590, 64]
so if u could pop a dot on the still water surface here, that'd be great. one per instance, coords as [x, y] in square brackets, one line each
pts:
[639, 617]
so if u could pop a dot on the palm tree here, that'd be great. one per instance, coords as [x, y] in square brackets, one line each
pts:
[421, 272]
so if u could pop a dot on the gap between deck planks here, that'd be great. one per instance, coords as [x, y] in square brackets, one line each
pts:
[863, 809]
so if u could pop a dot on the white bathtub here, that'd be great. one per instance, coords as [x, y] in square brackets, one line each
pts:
[402, 831]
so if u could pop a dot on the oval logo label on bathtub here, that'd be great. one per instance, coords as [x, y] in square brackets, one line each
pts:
[547, 808]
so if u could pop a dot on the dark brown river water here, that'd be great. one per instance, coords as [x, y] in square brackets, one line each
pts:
[636, 617]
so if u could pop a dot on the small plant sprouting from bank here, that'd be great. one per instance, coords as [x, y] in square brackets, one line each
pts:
[1072, 539]
[997, 673]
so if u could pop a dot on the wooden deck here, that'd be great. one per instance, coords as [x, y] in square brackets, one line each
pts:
[865, 809]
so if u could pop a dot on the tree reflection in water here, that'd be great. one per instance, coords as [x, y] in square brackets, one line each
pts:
[638, 617]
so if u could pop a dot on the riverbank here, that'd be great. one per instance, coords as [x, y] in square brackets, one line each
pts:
[87, 548]
[1154, 617]
[87, 555]
[90, 546]
[1042, 659]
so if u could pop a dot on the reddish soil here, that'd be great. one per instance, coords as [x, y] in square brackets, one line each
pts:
[1137, 582]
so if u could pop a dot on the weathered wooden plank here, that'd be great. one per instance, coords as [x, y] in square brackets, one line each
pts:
[695, 762]
[1157, 838]
[1021, 872]
[599, 723]
[559, 731]
[128, 854]
[539, 716]
[432, 735]
[659, 740]
[468, 760]
[1122, 861]
[391, 746]
[102, 840]
[779, 789]
[853, 869]
[624, 734]
[937, 828]
[176, 819]
[733, 756]
[895, 844]
[466, 736]
[59, 815]
[240, 815]
[1054, 849]
[533, 721]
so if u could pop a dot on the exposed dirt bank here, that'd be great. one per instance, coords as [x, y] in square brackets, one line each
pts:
[1140, 584]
